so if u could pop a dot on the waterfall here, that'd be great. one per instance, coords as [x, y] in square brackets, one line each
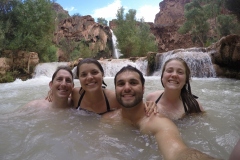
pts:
[110, 67]
[198, 61]
[113, 66]
[116, 51]
[47, 69]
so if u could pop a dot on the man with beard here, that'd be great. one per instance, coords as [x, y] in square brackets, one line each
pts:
[129, 86]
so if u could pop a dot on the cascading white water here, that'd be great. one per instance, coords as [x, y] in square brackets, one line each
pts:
[199, 63]
[197, 59]
[47, 69]
[116, 51]
[113, 66]
[110, 67]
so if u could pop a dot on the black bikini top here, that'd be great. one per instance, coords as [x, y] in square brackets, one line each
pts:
[107, 103]
[184, 103]
[185, 108]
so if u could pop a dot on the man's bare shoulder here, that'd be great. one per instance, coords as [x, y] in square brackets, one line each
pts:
[38, 103]
[113, 116]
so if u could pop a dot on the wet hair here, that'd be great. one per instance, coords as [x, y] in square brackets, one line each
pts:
[187, 97]
[132, 69]
[89, 61]
[66, 68]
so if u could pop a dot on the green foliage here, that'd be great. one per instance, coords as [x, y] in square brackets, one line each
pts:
[146, 39]
[196, 22]
[102, 21]
[28, 25]
[8, 21]
[2, 37]
[198, 13]
[212, 8]
[61, 16]
[74, 55]
[227, 25]
[133, 38]
[76, 50]
[51, 54]
[6, 78]
[70, 47]
[84, 50]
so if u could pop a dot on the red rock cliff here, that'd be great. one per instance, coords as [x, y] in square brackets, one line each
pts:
[166, 24]
[78, 28]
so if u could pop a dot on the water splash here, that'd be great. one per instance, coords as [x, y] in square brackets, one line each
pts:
[198, 61]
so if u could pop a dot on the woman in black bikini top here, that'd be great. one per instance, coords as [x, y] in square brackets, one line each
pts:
[106, 100]
[90, 74]
[175, 79]
[184, 103]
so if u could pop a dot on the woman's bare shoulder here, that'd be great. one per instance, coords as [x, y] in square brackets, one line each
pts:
[109, 93]
[153, 95]
[111, 96]
[76, 89]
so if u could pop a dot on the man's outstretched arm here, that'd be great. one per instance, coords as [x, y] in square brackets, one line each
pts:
[169, 140]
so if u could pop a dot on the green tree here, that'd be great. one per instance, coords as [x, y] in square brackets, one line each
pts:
[8, 21]
[102, 21]
[51, 54]
[196, 22]
[199, 13]
[75, 49]
[212, 8]
[146, 39]
[227, 24]
[133, 38]
[29, 25]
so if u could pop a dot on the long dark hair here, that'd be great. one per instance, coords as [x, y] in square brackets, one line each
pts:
[88, 61]
[191, 104]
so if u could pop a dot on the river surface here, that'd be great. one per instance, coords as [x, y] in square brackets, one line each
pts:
[47, 134]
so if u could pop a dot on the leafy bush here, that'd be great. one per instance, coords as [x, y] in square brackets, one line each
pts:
[8, 77]
[133, 37]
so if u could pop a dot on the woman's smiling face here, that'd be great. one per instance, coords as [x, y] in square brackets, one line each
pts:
[90, 76]
[174, 75]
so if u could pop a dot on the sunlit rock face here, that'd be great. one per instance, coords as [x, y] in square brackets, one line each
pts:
[84, 28]
[20, 60]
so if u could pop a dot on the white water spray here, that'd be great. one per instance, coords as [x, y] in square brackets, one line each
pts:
[197, 59]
